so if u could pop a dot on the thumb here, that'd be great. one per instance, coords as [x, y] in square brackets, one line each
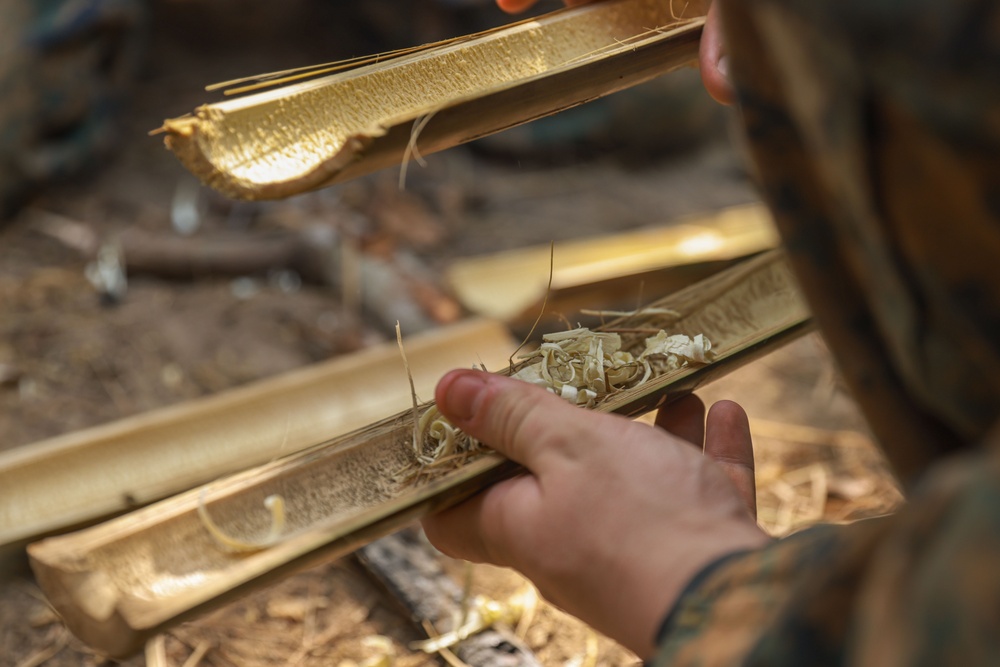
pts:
[523, 422]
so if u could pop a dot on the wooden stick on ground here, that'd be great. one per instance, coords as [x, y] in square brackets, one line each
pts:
[118, 583]
[409, 569]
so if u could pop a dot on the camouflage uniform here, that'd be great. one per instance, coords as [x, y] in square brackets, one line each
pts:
[874, 126]
[64, 66]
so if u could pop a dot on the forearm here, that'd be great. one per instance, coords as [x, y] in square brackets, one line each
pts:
[737, 607]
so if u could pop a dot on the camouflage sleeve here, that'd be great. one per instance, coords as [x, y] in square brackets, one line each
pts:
[873, 128]
[918, 588]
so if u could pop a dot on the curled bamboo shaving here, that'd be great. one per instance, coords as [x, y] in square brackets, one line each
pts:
[582, 366]
[440, 447]
[274, 503]
[412, 149]
[585, 366]
[483, 614]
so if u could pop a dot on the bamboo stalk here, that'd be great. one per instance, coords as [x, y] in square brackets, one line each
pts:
[308, 135]
[121, 582]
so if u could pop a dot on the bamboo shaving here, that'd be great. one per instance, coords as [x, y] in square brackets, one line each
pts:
[589, 658]
[156, 651]
[413, 391]
[412, 149]
[483, 614]
[545, 301]
[633, 40]
[275, 504]
[583, 367]
[199, 652]
[446, 654]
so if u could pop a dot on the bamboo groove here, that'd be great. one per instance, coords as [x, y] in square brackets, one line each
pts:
[120, 582]
[307, 135]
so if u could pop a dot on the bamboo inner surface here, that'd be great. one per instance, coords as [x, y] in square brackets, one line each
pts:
[116, 583]
[282, 141]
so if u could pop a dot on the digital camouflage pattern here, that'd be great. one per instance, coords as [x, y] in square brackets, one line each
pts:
[874, 127]
[64, 67]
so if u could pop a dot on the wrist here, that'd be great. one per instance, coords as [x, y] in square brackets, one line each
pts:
[680, 573]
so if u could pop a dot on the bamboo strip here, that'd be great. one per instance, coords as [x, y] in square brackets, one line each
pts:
[121, 582]
[308, 135]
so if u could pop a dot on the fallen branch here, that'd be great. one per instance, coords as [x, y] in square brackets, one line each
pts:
[389, 288]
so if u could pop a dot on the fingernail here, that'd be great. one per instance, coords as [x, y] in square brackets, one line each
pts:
[723, 66]
[464, 395]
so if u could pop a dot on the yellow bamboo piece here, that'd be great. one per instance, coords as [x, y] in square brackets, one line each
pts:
[121, 582]
[509, 286]
[307, 135]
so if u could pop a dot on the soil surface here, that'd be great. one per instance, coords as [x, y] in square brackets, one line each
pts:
[74, 355]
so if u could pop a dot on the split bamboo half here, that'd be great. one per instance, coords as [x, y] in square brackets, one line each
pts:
[308, 135]
[82, 477]
[611, 270]
[120, 582]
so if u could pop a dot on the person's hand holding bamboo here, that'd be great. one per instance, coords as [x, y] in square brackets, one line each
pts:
[614, 517]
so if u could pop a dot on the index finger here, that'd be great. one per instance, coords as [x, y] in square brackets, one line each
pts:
[523, 422]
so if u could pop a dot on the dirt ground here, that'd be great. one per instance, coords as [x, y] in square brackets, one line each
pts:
[71, 357]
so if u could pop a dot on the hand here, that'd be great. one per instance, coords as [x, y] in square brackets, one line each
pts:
[712, 60]
[613, 517]
[711, 57]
